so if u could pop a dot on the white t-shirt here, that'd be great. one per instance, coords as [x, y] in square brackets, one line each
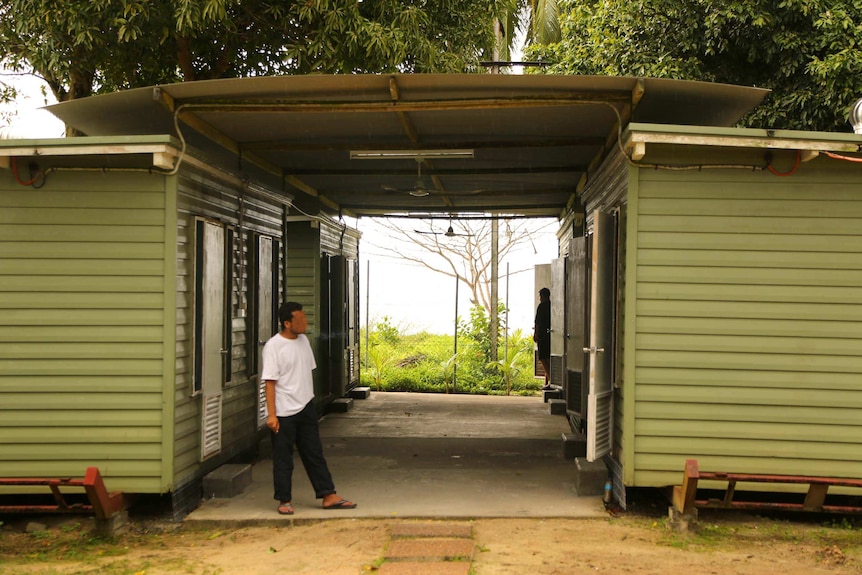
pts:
[289, 363]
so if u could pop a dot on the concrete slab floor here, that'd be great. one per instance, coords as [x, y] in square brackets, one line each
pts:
[413, 455]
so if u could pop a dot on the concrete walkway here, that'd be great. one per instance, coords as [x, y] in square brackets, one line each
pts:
[406, 455]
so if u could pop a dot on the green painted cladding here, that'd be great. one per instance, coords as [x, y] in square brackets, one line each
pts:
[306, 243]
[335, 240]
[97, 317]
[203, 196]
[96, 324]
[607, 191]
[303, 264]
[748, 330]
[82, 338]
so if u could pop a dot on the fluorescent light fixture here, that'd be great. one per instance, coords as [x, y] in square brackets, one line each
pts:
[409, 154]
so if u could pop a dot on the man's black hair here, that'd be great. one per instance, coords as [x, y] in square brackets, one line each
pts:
[545, 291]
[285, 312]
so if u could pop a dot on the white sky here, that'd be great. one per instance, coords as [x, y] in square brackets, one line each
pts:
[29, 121]
[416, 298]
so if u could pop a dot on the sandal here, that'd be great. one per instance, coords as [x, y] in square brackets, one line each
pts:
[285, 509]
[343, 504]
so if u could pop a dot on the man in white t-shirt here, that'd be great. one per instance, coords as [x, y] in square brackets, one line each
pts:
[292, 416]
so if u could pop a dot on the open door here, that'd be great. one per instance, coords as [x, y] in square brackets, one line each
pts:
[600, 350]
[333, 325]
[265, 315]
[352, 319]
[541, 278]
[558, 321]
[576, 288]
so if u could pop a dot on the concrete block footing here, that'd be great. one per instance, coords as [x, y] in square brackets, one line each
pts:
[549, 394]
[574, 445]
[228, 480]
[557, 406]
[359, 393]
[340, 405]
[590, 477]
[116, 524]
[35, 527]
[680, 521]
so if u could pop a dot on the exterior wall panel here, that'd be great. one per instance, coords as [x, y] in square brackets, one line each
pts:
[82, 266]
[201, 195]
[749, 322]
[306, 242]
[608, 190]
[303, 269]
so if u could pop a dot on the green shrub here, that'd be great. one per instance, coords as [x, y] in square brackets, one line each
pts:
[426, 362]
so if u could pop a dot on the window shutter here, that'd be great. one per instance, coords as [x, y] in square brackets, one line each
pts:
[211, 434]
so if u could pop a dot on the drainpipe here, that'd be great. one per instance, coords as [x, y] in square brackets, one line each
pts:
[495, 336]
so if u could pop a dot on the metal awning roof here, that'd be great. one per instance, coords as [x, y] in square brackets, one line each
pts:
[532, 138]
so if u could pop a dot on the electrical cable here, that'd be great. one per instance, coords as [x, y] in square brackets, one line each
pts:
[668, 166]
[44, 175]
[792, 170]
[320, 219]
[182, 153]
[845, 158]
[18, 177]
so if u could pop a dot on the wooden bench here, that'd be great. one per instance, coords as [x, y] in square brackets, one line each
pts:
[685, 496]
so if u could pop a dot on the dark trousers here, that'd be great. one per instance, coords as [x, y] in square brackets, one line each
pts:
[300, 429]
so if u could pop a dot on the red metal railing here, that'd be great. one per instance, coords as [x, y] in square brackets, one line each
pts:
[685, 496]
[103, 504]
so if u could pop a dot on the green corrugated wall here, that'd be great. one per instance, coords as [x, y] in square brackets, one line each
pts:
[306, 242]
[82, 327]
[201, 195]
[303, 264]
[748, 322]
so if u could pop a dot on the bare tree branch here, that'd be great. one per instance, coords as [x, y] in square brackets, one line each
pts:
[465, 254]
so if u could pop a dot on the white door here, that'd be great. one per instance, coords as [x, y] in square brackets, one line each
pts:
[600, 397]
[265, 320]
[576, 313]
[558, 320]
[212, 336]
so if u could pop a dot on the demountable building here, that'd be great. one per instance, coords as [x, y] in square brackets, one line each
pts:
[137, 291]
[707, 295]
[714, 304]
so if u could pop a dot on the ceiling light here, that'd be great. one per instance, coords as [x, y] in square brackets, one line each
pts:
[409, 154]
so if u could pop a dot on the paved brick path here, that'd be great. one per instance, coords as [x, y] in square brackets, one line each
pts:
[429, 549]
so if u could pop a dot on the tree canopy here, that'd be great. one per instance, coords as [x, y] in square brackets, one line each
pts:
[806, 51]
[82, 47]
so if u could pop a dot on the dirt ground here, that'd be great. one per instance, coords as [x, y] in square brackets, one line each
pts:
[723, 544]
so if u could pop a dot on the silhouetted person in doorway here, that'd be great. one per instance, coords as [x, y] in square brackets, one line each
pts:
[542, 333]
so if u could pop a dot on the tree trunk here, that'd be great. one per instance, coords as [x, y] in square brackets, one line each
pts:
[184, 58]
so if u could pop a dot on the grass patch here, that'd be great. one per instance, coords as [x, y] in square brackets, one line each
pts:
[69, 543]
[70, 549]
[724, 534]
